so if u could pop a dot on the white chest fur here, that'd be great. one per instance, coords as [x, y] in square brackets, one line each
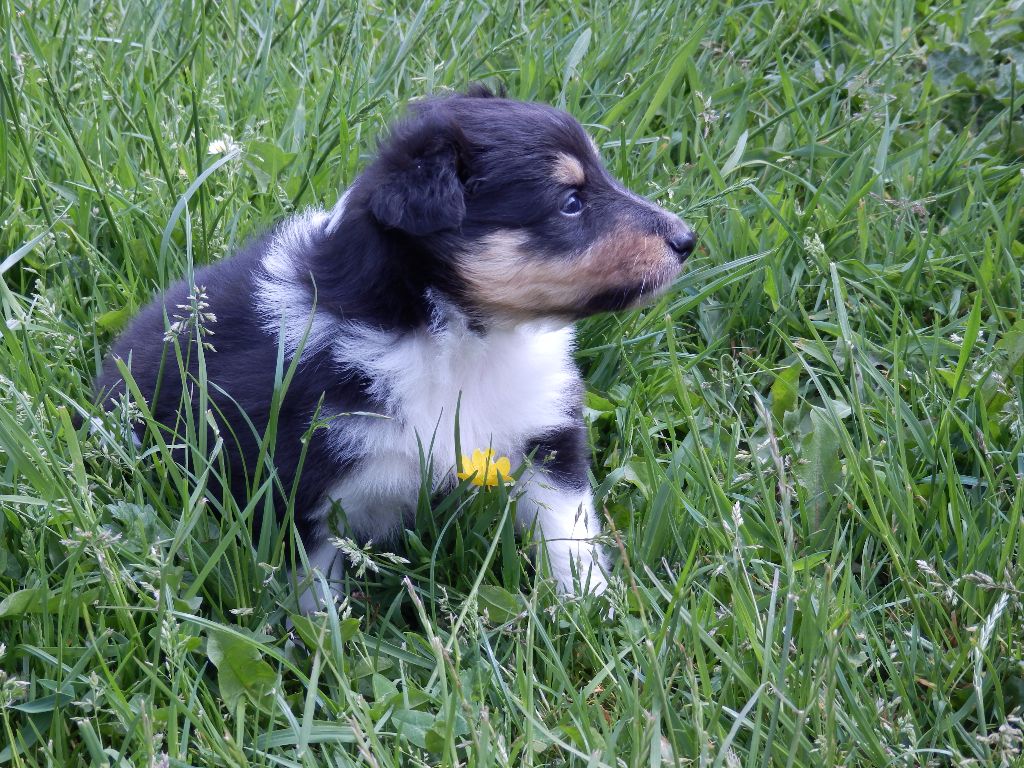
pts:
[504, 388]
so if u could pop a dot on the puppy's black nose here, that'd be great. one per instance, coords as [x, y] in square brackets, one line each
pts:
[682, 242]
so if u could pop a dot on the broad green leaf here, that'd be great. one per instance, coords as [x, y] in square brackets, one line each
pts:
[970, 336]
[23, 601]
[413, 725]
[500, 604]
[241, 670]
[819, 470]
[437, 734]
[956, 67]
[810, 561]
[383, 688]
[33, 725]
[310, 633]
[270, 156]
[785, 390]
[1012, 344]
[576, 54]
[674, 72]
[46, 703]
[949, 377]
[736, 156]
[114, 320]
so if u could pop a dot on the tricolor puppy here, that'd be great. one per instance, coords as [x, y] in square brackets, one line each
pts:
[445, 281]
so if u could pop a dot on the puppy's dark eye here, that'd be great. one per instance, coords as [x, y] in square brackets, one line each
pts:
[572, 205]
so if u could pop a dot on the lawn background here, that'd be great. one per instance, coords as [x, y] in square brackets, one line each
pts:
[810, 454]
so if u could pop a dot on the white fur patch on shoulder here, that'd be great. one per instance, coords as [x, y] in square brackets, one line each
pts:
[336, 214]
[283, 300]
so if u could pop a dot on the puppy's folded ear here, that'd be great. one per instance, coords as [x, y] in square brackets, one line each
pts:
[419, 189]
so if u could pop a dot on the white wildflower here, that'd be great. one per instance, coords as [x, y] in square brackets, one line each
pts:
[222, 146]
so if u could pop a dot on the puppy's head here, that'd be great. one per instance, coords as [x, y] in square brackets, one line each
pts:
[511, 203]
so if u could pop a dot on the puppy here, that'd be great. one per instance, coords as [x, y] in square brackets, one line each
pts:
[439, 290]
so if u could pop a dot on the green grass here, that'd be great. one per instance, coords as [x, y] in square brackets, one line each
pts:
[810, 454]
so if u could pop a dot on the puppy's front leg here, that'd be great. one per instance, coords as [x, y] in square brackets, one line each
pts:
[329, 561]
[557, 503]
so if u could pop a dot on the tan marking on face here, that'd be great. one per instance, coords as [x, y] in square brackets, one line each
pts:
[569, 170]
[504, 278]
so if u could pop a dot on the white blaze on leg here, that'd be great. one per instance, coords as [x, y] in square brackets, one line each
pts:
[565, 523]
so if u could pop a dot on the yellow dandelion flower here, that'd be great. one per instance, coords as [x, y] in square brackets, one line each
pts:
[485, 470]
